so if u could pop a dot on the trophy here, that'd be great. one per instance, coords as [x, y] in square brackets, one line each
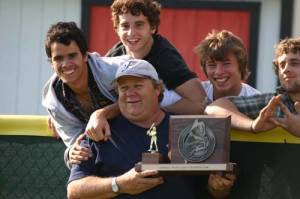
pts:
[153, 156]
[152, 133]
[197, 144]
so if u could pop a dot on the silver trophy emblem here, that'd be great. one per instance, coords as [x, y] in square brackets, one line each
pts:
[196, 142]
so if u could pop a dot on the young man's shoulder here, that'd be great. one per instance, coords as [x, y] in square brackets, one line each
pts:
[161, 43]
[95, 59]
[49, 98]
[248, 90]
[165, 52]
[251, 102]
[117, 50]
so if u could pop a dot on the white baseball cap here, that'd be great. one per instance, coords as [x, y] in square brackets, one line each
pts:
[137, 68]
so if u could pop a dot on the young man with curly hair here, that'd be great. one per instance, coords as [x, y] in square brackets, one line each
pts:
[136, 22]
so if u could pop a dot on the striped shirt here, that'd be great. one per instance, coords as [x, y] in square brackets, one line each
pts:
[252, 105]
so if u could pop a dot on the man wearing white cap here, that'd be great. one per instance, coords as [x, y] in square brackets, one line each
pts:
[110, 171]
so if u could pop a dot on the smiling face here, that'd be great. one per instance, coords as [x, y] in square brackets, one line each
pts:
[135, 33]
[289, 72]
[138, 98]
[69, 64]
[225, 76]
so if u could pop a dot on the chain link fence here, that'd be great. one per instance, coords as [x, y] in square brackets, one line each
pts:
[32, 168]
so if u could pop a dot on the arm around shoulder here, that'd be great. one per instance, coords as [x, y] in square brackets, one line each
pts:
[224, 107]
[193, 99]
[221, 106]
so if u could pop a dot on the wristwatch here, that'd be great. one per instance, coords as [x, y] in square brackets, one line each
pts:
[114, 185]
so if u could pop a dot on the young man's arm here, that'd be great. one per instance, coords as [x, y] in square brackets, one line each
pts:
[193, 100]
[239, 120]
[225, 107]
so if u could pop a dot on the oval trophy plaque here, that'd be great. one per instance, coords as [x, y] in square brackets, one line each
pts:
[196, 142]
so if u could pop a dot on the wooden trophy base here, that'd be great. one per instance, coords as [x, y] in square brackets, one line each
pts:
[151, 158]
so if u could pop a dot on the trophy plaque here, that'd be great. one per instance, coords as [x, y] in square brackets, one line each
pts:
[197, 144]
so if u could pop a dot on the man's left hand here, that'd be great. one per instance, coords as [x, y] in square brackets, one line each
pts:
[220, 186]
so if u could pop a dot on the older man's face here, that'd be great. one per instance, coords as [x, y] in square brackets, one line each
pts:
[289, 71]
[138, 98]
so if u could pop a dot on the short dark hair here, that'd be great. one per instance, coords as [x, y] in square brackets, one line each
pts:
[149, 8]
[65, 32]
[285, 46]
[217, 45]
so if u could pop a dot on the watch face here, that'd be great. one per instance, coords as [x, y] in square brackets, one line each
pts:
[115, 188]
[114, 185]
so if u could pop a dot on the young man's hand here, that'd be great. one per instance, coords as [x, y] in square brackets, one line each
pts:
[290, 121]
[264, 121]
[79, 153]
[98, 128]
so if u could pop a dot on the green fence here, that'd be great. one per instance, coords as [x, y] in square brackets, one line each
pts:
[32, 167]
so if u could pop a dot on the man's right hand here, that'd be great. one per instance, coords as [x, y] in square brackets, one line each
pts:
[78, 153]
[133, 182]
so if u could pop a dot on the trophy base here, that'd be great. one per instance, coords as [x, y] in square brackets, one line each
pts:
[185, 169]
[154, 158]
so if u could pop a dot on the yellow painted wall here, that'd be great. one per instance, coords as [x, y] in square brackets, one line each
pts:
[31, 125]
